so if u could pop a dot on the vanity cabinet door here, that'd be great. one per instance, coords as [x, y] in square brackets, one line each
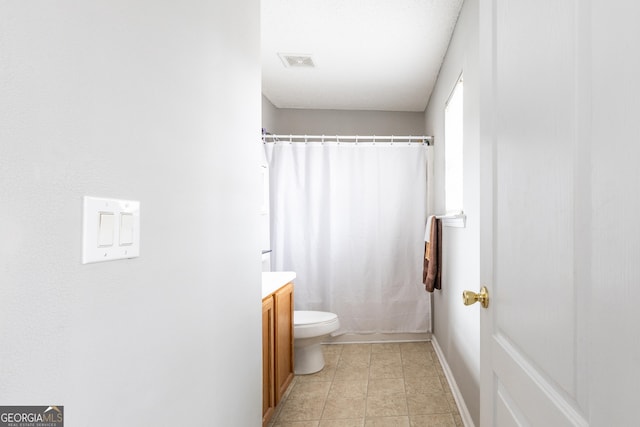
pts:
[284, 362]
[268, 360]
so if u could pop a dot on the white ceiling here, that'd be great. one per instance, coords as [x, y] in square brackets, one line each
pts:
[368, 54]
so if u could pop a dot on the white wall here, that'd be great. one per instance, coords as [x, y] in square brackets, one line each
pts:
[269, 115]
[346, 122]
[151, 101]
[269, 120]
[456, 327]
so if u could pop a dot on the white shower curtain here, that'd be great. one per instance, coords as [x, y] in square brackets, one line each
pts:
[349, 220]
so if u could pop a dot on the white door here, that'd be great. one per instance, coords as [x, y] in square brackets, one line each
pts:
[560, 200]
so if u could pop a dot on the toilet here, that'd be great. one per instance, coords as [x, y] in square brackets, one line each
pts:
[309, 330]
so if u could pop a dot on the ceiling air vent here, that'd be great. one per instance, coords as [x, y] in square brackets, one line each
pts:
[296, 60]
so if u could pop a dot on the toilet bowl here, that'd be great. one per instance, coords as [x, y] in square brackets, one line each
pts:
[309, 330]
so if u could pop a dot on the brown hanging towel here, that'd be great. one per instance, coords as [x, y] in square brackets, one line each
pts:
[432, 269]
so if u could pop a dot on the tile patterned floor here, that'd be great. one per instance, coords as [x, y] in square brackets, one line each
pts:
[371, 385]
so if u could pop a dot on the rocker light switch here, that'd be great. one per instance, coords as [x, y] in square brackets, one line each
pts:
[126, 229]
[105, 229]
[110, 229]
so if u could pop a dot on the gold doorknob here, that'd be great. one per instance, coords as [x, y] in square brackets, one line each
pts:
[469, 297]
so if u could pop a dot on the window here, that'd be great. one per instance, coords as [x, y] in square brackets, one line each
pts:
[453, 137]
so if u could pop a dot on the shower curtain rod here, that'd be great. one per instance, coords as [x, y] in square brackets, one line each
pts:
[348, 138]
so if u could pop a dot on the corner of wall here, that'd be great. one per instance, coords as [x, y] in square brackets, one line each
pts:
[454, 323]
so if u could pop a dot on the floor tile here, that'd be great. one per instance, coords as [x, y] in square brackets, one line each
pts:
[385, 370]
[324, 375]
[452, 401]
[417, 357]
[332, 349]
[371, 385]
[301, 410]
[409, 347]
[458, 419]
[386, 357]
[353, 422]
[348, 389]
[355, 360]
[331, 359]
[340, 407]
[387, 405]
[297, 424]
[422, 385]
[435, 420]
[385, 386]
[348, 373]
[356, 348]
[419, 370]
[310, 390]
[387, 422]
[421, 404]
[385, 347]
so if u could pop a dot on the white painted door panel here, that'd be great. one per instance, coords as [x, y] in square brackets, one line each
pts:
[560, 196]
[532, 333]
[614, 332]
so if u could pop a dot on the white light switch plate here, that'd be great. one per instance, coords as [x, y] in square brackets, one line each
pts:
[93, 236]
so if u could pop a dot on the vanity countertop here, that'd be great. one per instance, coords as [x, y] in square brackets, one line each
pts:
[274, 280]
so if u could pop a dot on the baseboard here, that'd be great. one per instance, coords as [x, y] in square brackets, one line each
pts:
[462, 407]
[378, 338]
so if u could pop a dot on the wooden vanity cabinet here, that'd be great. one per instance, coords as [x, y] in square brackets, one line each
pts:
[277, 348]
[283, 302]
[268, 362]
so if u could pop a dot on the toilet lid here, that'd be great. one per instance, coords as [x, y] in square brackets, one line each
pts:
[310, 317]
